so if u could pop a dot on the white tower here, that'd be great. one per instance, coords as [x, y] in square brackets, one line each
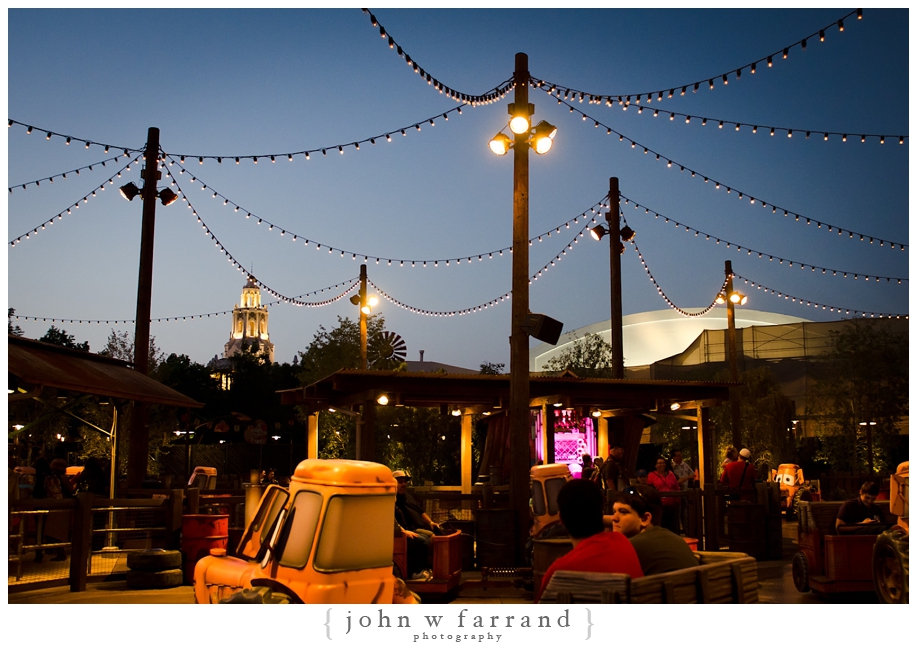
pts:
[249, 324]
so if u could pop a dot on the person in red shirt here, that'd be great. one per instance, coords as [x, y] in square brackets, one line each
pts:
[740, 475]
[595, 550]
[663, 479]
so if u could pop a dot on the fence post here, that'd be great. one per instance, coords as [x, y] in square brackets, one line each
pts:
[194, 500]
[711, 518]
[173, 519]
[81, 544]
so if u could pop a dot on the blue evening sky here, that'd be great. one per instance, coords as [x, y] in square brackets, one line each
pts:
[255, 83]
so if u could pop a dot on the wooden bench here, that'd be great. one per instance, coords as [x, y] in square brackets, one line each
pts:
[719, 578]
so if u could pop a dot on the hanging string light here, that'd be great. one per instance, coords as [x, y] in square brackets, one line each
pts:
[821, 306]
[738, 124]
[771, 257]
[492, 96]
[753, 200]
[126, 151]
[350, 285]
[76, 205]
[465, 259]
[493, 302]
[681, 88]
[50, 179]
[671, 304]
[323, 150]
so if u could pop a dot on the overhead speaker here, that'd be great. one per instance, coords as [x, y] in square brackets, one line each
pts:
[542, 328]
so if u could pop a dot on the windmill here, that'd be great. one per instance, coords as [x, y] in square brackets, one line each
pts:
[387, 350]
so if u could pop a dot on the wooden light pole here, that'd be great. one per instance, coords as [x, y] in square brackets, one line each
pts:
[519, 422]
[139, 448]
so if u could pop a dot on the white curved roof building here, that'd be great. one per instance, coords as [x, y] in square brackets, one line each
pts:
[652, 336]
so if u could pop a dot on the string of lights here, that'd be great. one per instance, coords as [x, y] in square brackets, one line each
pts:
[752, 200]
[671, 304]
[680, 89]
[63, 175]
[736, 126]
[496, 94]
[489, 304]
[76, 205]
[350, 283]
[770, 257]
[236, 264]
[68, 139]
[807, 302]
[357, 256]
[324, 150]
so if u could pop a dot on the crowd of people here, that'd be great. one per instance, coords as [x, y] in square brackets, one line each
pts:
[646, 523]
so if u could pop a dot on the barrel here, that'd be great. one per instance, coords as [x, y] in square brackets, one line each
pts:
[747, 529]
[496, 537]
[200, 533]
[545, 552]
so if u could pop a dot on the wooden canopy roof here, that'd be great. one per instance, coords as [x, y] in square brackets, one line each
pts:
[349, 387]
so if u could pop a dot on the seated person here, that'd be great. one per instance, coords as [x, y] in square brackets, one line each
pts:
[594, 550]
[854, 515]
[637, 515]
[417, 527]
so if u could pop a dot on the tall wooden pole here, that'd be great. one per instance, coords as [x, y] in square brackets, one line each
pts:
[615, 246]
[733, 359]
[519, 340]
[362, 317]
[139, 447]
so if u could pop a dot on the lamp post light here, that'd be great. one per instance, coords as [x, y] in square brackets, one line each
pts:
[366, 303]
[732, 298]
[540, 139]
[616, 235]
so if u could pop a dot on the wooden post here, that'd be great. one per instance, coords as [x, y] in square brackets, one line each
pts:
[312, 435]
[362, 317]
[706, 472]
[81, 542]
[139, 450]
[615, 247]
[173, 519]
[519, 412]
[194, 500]
[733, 360]
[467, 476]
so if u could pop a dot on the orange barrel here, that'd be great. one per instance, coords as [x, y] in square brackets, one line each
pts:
[200, 533]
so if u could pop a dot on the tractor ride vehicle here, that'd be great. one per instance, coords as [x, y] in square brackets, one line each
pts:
[328, 539]
[890, 555]
[829, 562]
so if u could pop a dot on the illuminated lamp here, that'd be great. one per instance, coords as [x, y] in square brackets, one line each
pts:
[500, 144]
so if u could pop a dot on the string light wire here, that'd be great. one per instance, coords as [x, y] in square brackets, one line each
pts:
[76, 205]
[494, 95]
[752, 200]
[771, 257]
[628, 98]
[807, 302]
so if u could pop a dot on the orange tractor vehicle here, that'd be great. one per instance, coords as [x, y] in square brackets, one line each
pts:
[793, 487]
[890, 554]
[328, 539]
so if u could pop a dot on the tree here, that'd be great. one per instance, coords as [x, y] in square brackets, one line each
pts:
[120, 345]
[589, 356]
[61, 338]
[13, 330]
[489, 368]
[860, 396]
[332, 350]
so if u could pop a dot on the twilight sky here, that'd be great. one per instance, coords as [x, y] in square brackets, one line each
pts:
[244, 83]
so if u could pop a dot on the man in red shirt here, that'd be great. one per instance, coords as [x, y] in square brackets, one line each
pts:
[594, 549]
[740, 475]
